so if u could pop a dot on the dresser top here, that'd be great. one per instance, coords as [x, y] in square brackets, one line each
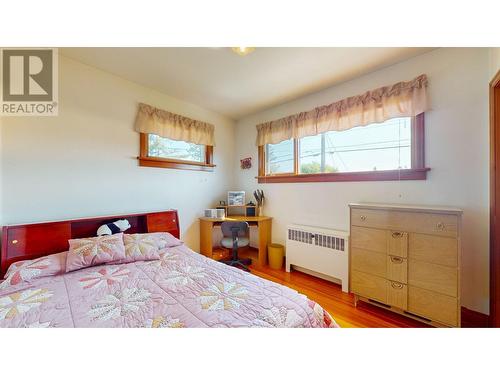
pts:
[404, 207]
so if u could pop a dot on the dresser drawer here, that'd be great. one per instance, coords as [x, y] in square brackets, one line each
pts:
[368, 261]
[397, 295]
[433, 277]
[369, 286]
[434, 306]
[397, 243]
[369, 239]
[407, 221]
[434, 249]
[397, 269]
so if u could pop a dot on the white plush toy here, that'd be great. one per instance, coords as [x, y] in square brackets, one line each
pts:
[114, 227]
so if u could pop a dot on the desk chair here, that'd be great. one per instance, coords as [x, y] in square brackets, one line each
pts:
[235, 236]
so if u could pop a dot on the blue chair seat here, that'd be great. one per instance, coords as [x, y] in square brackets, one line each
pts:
[227, 242]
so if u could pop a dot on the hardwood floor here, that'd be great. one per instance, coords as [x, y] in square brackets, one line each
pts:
[340, 305]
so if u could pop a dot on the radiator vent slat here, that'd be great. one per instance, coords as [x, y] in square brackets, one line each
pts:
[322, 240]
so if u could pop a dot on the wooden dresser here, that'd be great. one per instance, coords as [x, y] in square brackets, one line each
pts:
[407, 259]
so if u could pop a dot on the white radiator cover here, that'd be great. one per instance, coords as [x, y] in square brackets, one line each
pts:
[321, 250]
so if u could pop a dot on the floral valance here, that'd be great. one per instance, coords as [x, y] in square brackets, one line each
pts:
[151, 120]
[399, 100]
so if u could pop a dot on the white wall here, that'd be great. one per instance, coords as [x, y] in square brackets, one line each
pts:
[456, 150]
[83, 162]
[494, 61]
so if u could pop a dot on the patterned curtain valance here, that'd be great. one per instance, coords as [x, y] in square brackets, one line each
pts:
[151, 120]
[399, 100]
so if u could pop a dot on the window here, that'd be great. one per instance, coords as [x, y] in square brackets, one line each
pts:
[391, 150]
[169, 149]
[384, 146]
[280, 158]
[162, 152]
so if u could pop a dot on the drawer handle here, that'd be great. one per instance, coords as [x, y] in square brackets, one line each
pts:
[440, 226]
[397, 234]
[15, 241]
[362, 217]
[396, 285]
[396, 260]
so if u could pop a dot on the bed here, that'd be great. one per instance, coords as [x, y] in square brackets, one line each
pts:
[179, 289]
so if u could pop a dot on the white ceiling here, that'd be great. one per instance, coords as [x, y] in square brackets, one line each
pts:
[235, 86]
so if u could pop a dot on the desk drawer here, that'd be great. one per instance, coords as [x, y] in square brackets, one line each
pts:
[417, 222]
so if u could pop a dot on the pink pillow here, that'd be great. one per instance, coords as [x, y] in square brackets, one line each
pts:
[140, 247]
[86, 252]
[27, 270]
[165, 239]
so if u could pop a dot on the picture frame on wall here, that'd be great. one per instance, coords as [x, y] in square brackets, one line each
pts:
[236, 198]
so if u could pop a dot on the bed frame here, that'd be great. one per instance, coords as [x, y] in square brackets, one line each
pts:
[30, 241]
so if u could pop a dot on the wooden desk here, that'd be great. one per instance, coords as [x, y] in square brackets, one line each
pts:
[264, 224]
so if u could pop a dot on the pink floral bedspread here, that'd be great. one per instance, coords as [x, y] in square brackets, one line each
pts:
[182, 289]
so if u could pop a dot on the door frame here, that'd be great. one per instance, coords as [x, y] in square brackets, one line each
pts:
[495, 201]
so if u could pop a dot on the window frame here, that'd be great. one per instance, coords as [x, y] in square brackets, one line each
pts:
[418, 170]
[153, 161]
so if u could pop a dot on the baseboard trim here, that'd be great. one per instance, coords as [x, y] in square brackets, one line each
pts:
[474, 319]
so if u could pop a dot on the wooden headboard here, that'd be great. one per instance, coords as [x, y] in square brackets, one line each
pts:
[30, 241]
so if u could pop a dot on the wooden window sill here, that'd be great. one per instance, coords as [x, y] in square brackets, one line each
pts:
[394, 175]
[174, 164]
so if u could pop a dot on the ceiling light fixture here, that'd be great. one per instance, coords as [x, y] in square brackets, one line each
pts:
[242, 51]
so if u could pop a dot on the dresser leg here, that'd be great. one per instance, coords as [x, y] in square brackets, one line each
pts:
[356, 299]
